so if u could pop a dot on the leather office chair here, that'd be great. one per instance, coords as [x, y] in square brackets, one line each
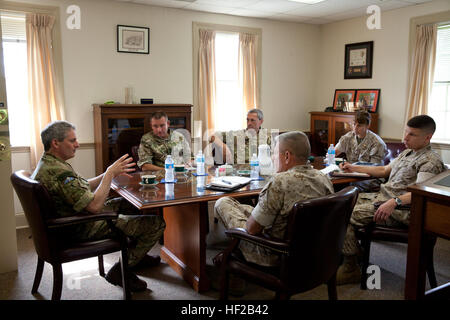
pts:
[40, 213]
[310, 251]
[374, 232]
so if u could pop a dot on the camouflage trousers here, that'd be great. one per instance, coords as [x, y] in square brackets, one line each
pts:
[235, 215]
[145, 229]
[363, 214]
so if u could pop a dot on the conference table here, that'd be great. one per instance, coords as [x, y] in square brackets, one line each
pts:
[184, 206]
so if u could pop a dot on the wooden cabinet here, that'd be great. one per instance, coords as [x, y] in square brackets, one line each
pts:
[119, 127]
[328, 127]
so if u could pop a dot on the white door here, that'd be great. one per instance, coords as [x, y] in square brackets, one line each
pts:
[8, 242]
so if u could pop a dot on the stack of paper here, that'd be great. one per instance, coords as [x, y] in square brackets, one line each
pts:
[334, 171]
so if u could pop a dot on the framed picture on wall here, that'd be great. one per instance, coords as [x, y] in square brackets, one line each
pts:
[358, 60]
[133, 39]
[341, 96]
[367, 99]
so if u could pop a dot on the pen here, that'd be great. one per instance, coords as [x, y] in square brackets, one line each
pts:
[227, 182]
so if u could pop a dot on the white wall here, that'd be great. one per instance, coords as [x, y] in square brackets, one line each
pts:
[390, 63]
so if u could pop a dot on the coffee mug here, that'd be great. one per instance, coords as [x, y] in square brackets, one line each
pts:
[179, 168]
[148, 179]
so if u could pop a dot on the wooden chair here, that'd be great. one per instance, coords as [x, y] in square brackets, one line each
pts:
[310, 252]
[374, 232]
[41, 216]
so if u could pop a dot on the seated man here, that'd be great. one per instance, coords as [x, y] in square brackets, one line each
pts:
[244, 142]
[362, 145]
[414, 165]
[158, 143]
[73, 194]
[294, 181]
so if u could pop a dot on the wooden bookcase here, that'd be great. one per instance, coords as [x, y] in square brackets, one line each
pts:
[119, 127]
[328, 127]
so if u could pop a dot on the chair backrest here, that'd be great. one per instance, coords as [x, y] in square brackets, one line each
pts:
[393, 150]
[316, 231]
[38, 207]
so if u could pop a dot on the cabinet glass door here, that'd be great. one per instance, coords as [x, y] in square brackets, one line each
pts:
[341, 127]
[320, 137]
[123, 133]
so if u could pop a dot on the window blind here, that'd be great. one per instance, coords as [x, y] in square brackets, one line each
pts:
[442, 71]
[13, 27]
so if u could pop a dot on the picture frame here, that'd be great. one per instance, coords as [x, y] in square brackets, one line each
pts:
[341, 96]
[368, 99]
[358, 60]
[132, 39]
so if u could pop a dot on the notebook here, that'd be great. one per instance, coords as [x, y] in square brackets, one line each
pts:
[227, 183]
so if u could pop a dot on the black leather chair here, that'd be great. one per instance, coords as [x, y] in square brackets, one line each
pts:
[41, 216]
[310, 252]
[374, 232]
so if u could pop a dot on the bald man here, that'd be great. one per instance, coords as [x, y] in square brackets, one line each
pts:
[295, 180]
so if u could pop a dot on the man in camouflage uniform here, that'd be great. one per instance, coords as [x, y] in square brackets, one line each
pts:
[237, 147]
[362, 145]
[73, 194]
[294, 181]
[414, 165]
[157, 144]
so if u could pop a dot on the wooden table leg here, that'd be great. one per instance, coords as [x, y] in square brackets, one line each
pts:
[185, 242]
[415, 264]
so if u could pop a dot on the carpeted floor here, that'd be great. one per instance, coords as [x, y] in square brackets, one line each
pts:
[82, 282]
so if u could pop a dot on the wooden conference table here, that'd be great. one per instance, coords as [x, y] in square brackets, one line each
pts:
[185, 209]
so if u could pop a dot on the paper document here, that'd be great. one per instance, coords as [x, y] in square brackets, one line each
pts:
[334, 171]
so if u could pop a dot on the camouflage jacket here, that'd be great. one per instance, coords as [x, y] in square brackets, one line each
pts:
[245, 143]
[154, 149]
[371, 149]
[406, 168]
[283, 190]
[70, 192]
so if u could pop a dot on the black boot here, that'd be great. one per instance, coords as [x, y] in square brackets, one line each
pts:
[114, 276]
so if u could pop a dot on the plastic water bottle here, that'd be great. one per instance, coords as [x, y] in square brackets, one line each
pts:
[200, 159]
[254, 167]
[169, 169]
[331, 154]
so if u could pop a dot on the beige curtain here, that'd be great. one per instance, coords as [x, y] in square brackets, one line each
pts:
[247, 70]
[422, 70]
[44, 94]
[206, 78]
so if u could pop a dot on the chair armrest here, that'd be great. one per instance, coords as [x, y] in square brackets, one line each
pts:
[81, 218]
[261, 240]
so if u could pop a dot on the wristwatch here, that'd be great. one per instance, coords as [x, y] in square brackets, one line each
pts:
[398, 201]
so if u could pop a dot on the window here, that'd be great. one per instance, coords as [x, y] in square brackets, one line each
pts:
[15, 61]
[229, 107]
[439, 106]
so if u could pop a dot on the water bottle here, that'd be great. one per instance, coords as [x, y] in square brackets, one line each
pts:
[254, 167]
[169, 169]
[331, 154]
[200, 163]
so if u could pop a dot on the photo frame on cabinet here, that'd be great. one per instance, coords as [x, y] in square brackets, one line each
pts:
[341, 96]
[367, 99]
[358, 60]
[133, 39]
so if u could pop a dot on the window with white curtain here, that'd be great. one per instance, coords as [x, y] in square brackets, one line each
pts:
[439, 106]
[229, 111]
[15, 62]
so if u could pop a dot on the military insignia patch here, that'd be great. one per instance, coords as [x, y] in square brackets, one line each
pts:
[68, 179]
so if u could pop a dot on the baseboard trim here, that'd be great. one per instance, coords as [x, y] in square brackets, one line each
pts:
[21, 221]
